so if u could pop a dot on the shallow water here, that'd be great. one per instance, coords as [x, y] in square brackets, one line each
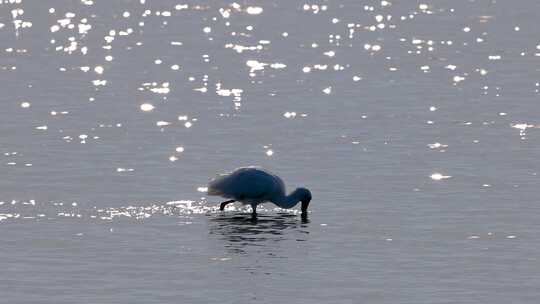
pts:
[413, 124]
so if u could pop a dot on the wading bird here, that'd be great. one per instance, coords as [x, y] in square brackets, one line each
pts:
[253, 186]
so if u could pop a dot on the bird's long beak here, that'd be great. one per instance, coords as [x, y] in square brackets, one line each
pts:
[305, 205]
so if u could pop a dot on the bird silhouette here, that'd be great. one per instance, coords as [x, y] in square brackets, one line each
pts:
[255, 185]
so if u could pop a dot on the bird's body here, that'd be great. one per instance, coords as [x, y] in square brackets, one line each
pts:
[253, 186]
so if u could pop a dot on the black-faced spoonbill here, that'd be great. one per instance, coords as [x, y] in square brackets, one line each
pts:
[253, 186]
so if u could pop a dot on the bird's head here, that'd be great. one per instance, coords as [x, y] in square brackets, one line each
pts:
[304, 195]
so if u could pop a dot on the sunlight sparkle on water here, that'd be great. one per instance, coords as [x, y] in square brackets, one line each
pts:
[255, 65]
[162, 123]
[522, 127]
[439, 176]
[124, 170]
[254, 10]
[99, 82]
[437, 145]
[458, 79]
[289, 114]
[146, 107]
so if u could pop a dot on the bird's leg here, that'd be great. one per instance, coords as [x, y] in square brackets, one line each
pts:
[254, 211]
[222, 205]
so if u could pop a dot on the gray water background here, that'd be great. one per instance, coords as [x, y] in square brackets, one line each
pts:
[418, 140]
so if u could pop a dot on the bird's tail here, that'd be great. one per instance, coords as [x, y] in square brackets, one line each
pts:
[213, 191]
[215, 186]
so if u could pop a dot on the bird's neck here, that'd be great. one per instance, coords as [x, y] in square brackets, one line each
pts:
[287, 201]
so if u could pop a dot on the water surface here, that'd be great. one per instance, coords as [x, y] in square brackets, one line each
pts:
[414, 124]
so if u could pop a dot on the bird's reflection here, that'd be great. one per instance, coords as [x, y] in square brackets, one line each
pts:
[241, 231]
